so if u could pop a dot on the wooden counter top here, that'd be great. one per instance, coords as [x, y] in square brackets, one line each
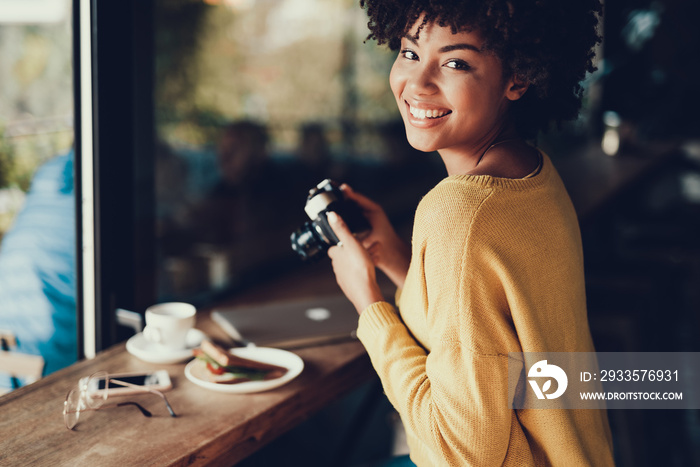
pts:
[212, 428]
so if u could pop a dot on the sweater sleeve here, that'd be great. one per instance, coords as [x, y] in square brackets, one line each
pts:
[445, 396]
[452, 398]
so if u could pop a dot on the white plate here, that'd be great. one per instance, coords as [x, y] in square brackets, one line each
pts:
[196, 370]
[147, 351]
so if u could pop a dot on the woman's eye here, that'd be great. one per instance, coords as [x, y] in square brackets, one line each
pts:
[457, 65]
[409, 54]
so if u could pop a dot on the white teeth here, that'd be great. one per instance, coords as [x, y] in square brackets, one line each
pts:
[430, 113]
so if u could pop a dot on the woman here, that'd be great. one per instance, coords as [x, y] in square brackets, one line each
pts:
[495, 264]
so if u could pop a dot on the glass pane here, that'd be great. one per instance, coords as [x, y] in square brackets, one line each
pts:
[256, 103]
[37, 215]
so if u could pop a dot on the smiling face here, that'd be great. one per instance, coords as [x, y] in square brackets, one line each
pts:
[451, 92]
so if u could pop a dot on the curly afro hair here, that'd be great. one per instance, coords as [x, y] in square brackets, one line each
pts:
[546, 43]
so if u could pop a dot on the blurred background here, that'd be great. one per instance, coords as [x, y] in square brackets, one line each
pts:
[250, 103]
[256, 103]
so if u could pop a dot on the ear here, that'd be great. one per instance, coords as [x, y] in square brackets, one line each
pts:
[515, 88]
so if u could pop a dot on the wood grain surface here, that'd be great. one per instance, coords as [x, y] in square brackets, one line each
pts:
[212, 428]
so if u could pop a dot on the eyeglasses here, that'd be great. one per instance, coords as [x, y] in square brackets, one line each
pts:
[92, 392]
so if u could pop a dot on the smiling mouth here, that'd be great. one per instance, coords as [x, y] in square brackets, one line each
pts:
[427, 114]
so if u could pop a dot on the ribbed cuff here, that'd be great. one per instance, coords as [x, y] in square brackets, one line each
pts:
[375, 319]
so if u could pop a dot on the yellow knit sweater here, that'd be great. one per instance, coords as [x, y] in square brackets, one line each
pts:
[496, 267]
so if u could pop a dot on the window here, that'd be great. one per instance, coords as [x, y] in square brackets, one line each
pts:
[255, 103]
[37, 201]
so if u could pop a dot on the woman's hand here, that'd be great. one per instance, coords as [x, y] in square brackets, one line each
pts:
[353, 267]
[388, 251]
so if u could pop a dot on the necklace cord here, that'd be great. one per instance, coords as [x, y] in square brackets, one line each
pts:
[493, 146]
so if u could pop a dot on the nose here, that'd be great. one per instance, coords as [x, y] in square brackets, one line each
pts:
[422, 81]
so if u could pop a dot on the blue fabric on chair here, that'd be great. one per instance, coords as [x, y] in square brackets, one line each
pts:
[37, 269]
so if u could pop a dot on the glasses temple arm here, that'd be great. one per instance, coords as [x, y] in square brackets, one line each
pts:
[137, 405]
[120, 404]
[144, 388]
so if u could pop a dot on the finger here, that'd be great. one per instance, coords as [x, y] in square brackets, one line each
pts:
[369, 243]
[333, 251]
[362, 200]
[374, 252]
[374, 248]
[341, 229]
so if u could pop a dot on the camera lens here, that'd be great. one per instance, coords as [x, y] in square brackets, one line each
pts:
[317, 236]
[306, 242]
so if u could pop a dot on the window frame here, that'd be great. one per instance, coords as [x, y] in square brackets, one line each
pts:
[114, 133]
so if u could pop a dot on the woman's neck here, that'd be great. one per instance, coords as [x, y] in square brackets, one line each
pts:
[461, 161]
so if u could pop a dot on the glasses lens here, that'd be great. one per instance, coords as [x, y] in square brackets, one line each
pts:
[95, 389]
[72, 407]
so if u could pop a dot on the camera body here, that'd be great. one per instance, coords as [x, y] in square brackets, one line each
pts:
[316, 236]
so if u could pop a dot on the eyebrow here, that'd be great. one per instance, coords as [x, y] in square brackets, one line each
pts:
[447, 48]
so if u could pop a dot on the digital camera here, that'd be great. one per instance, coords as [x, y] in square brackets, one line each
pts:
[316, 236]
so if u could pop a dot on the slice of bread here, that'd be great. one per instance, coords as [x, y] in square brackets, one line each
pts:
[226, 359]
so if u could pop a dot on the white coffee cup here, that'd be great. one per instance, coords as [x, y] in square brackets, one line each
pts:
[168, 324]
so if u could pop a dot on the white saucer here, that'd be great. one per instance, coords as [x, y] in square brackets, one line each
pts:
[147, 351]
